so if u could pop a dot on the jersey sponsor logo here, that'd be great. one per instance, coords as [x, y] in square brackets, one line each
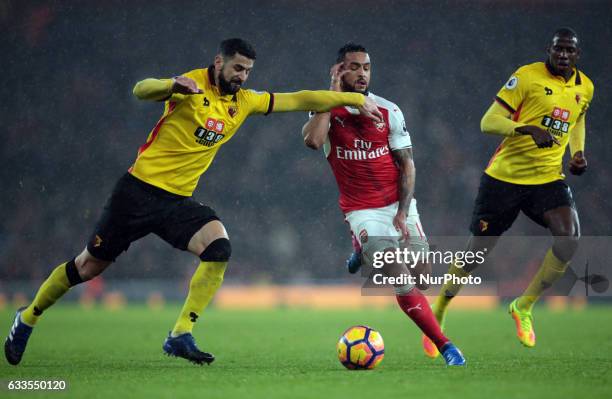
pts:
[211, 134]
[362, 150]
[214, 124]
[560, 113]
[548, 91]
[207, 137]
[361, 155]
[511, 83]
[558, 123]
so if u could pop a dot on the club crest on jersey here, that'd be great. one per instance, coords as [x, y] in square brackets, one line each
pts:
[380, 126]
[233, 110]
[363, 236]
[578, 98]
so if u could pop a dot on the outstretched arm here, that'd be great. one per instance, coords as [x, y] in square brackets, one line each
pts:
[323, 101]
[162, 89]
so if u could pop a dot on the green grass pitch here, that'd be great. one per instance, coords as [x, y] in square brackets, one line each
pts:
[291, 354]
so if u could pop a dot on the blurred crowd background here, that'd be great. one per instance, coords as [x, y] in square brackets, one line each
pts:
[71, 127]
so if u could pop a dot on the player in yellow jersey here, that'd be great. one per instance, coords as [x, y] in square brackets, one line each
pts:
[539, 111]
[203, 110]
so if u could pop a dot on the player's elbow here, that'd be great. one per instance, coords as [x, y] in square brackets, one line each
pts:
[312, 140]
[138, 91]
[486, 126]
[313, 143]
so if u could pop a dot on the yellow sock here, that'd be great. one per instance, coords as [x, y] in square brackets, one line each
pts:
[54, 287]
[207, 278]
[551, 270]
[449, 290]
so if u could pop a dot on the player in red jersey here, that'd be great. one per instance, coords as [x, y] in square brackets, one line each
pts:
[374, 169]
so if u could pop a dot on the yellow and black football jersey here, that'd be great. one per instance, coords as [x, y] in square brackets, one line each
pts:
[536, 97]
[185, 140]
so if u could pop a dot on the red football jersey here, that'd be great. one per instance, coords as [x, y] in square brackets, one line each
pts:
[359, 153]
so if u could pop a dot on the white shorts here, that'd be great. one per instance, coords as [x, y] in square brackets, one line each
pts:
[374, 229]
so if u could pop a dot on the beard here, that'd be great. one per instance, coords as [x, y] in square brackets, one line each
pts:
[351, 88]
[229, 86]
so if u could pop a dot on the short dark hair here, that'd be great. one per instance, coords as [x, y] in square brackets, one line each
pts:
[566, 32]
[229, 48]
[350, 47]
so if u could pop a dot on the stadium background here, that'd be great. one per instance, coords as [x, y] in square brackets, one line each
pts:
[71, 127]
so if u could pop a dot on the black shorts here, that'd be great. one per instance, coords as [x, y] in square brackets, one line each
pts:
[498, 204]
[136, 208]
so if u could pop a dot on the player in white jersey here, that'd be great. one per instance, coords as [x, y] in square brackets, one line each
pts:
[374, 169]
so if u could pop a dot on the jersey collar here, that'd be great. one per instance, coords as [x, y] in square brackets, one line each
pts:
[575, 75]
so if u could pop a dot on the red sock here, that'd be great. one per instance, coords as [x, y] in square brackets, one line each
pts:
[415, 305]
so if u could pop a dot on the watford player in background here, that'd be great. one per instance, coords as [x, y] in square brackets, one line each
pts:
[203, 110]
[539, 111]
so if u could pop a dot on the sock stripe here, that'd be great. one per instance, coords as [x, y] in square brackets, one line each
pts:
[72, 273]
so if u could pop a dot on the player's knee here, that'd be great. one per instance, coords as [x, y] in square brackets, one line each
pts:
[91, 270]
[567, 236]
[86, 267]
[220, 250]
[565, 247]
[567, 233]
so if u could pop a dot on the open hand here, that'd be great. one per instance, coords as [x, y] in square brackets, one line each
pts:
[184, 85]
[336, 73]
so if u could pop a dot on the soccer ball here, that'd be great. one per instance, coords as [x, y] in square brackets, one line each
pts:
[360, 347]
